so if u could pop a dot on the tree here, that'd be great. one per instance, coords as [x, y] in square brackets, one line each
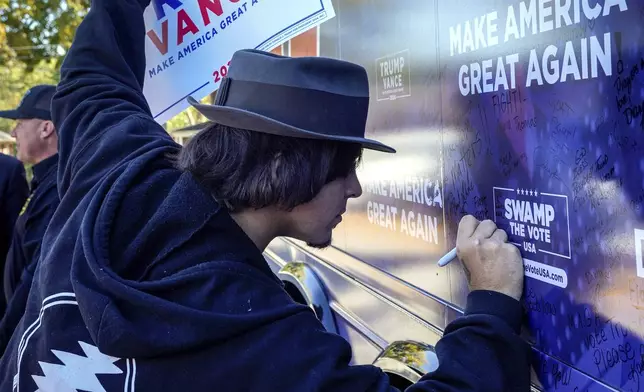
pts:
[16, 79]
[37, 30]
[190, 116]
[34, 37]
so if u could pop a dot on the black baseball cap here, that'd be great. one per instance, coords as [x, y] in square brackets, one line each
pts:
[34, 104]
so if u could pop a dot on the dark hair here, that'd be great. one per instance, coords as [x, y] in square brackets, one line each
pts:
[245, 169]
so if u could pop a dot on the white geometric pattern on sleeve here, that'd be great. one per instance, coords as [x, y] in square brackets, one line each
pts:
[77, 372]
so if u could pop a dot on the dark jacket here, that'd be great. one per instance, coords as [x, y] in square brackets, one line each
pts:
[14, 191]
[148, 283]
[25, 247]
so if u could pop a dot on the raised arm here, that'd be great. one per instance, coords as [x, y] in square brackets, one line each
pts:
[99, 109]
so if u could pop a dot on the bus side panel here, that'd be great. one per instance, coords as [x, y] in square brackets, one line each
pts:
[554, 157]
[398, 225]
[529, 114]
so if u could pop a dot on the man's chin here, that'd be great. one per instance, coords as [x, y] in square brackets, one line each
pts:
[319, 245]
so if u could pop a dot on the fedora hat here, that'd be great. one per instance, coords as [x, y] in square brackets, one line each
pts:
[195, 127]
[305, 97]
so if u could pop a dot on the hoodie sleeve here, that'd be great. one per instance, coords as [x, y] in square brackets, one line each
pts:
[99, 109]
[479, 352]
[482, 350]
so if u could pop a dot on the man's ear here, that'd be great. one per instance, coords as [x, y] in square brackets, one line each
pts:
[47, 129]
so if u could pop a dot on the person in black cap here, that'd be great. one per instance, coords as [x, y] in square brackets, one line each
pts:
[37, 144]
[154, 277]
[13, 193]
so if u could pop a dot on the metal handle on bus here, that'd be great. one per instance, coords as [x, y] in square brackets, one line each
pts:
[310, 287]
[406, 361]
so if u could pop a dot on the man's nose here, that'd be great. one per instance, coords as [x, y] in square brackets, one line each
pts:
[354, 189]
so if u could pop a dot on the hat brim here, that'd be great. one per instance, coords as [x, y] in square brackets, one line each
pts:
[196, 127]
[10, 114]
[243, 119]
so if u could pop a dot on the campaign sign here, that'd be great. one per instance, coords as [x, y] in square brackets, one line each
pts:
[537, 222]
[189, 43]
[394, 76]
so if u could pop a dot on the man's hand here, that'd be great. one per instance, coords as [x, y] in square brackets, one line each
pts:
[490, 262]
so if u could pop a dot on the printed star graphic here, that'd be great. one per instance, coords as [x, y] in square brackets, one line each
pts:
[531, 193]
[536, 192]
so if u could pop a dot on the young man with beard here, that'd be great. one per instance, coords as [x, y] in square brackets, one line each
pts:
[155, 279]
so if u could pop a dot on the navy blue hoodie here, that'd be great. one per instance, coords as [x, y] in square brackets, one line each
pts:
[25, 246]
[146, 283]
[14, 190]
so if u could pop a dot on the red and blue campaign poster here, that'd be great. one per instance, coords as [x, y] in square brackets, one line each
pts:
[189, 43]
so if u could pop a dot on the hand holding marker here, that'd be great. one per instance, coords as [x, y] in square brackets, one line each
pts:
[489, 261]
[451, 255]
